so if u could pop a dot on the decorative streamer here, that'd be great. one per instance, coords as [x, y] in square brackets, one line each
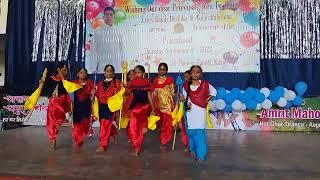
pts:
[57, 20]
[290, 29]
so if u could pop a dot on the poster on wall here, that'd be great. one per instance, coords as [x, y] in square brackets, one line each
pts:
[3, 16]
[219, 35]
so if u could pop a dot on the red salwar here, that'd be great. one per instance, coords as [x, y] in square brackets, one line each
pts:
[164, 106]
[56, 114]
[82, 112]
[106, 118]
[140, 111]
[59, 105]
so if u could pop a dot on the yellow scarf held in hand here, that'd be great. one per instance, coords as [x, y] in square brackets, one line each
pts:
[115, 102]
[70, 86]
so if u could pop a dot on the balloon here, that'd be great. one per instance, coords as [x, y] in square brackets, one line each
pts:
[297, 102]
[92, 9]
[260, 97]
[243, 107]
[288, 105]
[251, 91]
[212, 105]
[88, 45]
[249, 39]
[251, 104]
[255, 3]
[144, 3]
[119, 16]
[300, 88]
[105, 3]
[267, 104]
[265, 91]
[220, 104]
[229, 98]
[228, 17]
[236, 92]
[246, 6]
[121, 3]
[230, 57]
[259, 106]
[236, 105]
[282, 102]
[221, 92]
[274, 97]
[244, 97]
[228, 108]
[162, 2]
[280, 90]
[290, 95]
[97, 23]
[252, 18]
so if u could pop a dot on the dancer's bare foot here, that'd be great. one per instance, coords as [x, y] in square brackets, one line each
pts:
[100, 149]
[115, 139]
[200, 161]
[163, 147]
[76, 148]
[52, 144]
[136, 152]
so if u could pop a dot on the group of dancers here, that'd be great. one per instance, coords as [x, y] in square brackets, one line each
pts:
[141, 99]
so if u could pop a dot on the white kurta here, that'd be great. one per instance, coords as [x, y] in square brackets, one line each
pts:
[196, 116]
[107, 48]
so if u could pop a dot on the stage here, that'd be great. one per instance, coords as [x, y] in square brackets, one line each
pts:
[232, 154]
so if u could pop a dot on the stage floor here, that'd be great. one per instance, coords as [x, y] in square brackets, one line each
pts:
[232, 155]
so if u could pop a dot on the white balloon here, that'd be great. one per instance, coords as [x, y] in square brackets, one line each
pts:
[282, 102]
[265, 91]
[259, 106]
[236, 105]
[227, 91]
[220, 104]
[285, 90]
[290, 95]
[243, 107]
[212, 105]
[267, 104]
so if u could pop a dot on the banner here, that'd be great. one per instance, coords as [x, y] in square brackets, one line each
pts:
[305, 118]
[221, 36]
[3, 16]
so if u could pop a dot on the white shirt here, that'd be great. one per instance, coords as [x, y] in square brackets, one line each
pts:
[107, 48]
[196, 116]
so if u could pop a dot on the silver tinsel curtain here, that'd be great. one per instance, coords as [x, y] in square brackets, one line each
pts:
[56, 20]
[290, 29]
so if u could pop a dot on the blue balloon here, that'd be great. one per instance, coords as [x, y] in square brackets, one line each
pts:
[301, 88]
[279, 90]
[145, 3]
[251, 105]
[214, 98]
[228, 108]
[221, 92]
[274, 97]
[260, 97]
[244, 97]
[252, 18]
[251, 92]
[236, 92]
[297, 102]
[289, 105]
[229, 98]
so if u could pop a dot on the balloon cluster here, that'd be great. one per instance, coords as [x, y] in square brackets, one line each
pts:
[255, 99]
